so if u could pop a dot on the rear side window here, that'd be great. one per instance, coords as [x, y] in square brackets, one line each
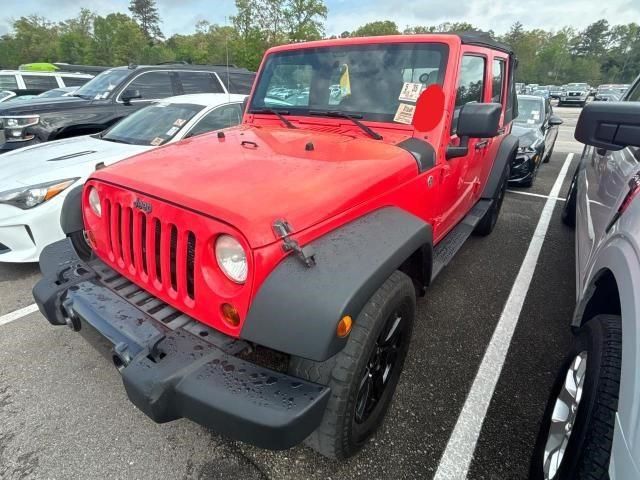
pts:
[239, 83]
[471, 85]
[8, 82]
[39, 82]
[199, 82]
[74, 81]
[497, 86]
[153, 85]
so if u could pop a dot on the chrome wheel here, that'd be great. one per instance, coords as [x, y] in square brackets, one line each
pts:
[564, 415]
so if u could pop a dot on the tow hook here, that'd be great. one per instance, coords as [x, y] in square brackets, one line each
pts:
[70, 317]
[121, 357]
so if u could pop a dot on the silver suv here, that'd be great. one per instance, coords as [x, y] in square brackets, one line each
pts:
[591, 428]
[575, 94]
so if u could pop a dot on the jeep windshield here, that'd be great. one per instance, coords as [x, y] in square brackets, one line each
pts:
[101, 86]
[153, 125]
[358, 80]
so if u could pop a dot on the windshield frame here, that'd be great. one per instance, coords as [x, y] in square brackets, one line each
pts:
[264, 78]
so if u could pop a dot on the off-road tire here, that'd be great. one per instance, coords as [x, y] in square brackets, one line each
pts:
[589, 448]
[488, 222]
[569, 210]
[338, 435]
[81, 246]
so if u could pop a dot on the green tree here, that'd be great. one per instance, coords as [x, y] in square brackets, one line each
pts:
[36, 39]
[305, 19]
[75, 40]
[372, 29]
[146, 13]
[117, 40]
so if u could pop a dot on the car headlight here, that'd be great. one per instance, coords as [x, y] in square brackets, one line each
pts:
[94, 202]
[14, 127]
[232, 259]
[29, 197]
[528, 149]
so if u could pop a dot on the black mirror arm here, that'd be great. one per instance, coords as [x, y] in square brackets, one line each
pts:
[457, 151]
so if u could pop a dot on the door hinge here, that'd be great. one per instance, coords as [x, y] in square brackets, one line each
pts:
[283, 230]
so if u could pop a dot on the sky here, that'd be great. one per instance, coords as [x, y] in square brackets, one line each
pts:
[180, 16]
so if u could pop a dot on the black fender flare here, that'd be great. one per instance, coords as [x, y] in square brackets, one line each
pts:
[296, 310]
[507, 150]
[71, 214]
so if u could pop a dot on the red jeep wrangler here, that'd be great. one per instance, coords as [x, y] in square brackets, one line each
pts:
[262, 281]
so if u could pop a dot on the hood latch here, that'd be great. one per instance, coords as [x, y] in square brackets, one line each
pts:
[283, 230]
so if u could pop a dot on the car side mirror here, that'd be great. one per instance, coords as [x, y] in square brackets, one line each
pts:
[129, 95]
[555, 121]
[609, 125]
[476, 120]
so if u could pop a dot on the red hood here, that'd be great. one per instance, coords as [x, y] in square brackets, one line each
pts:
[273, 175]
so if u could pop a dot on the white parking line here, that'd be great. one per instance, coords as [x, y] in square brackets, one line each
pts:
[455, 461]
[539, 195]
[15, 315]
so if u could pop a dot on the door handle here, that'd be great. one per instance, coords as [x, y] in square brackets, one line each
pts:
[481, 144]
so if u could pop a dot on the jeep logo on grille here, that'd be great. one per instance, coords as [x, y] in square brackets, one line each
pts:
[142, 205]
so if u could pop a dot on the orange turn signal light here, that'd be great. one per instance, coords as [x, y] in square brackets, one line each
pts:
[344, 326]
[230, 315]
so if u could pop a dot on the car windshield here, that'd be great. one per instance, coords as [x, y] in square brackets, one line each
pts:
[577, 85]
[153, 125]
[365, 81]
[5, 94]
[530, 111]
[102, 85]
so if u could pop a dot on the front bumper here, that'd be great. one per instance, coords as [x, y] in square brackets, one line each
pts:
[572, 99]
[523, 168]
[172, 366]
[9, 146]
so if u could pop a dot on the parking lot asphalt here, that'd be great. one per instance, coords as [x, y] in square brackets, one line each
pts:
[64, 413]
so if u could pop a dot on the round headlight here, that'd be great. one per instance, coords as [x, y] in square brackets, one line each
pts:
[232, 259]
[94, 201]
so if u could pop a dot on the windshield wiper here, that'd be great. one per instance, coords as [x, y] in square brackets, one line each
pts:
[349, 116]
[115, 140]
[84, 97]
[278, 113]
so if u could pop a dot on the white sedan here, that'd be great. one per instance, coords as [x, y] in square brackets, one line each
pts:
[35, 180]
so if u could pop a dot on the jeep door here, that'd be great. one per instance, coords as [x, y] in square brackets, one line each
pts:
[602, 185]
[459, 175]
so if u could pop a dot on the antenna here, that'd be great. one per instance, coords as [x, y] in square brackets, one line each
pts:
[226, 47]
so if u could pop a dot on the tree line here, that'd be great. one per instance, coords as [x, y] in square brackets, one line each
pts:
[600, 53]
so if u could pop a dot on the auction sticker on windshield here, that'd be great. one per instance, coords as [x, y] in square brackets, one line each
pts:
[405, 113]
[410, 92]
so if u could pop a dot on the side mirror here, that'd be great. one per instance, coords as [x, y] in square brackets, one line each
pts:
[555, 121]
[129, 95]
[476, 120]
[609, 125]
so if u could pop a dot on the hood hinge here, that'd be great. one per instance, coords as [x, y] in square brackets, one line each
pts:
[283, 230]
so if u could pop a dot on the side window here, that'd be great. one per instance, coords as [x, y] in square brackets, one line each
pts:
[8, 82]
[40, 82]
[221, 117]
[74, 81]
[471, 85]
[497, 86]
[199, 82]
[153, 85]
[239, 82]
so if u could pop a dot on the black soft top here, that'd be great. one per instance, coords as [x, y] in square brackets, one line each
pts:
[483, 39]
